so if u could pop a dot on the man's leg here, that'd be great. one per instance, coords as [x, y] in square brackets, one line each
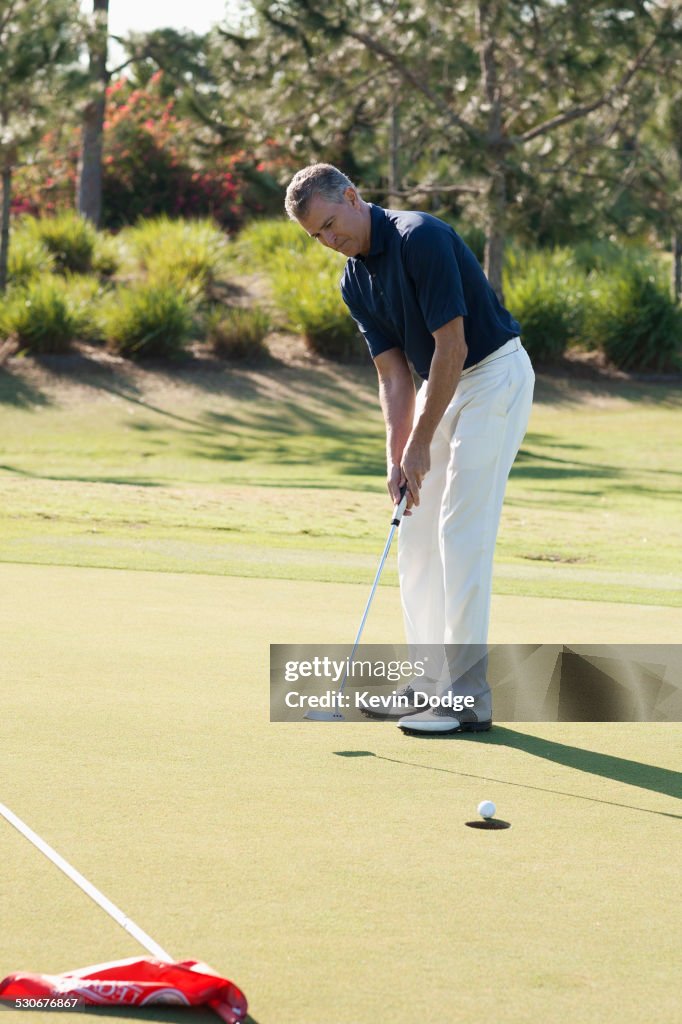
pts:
[485, 425]
[495, 405]
[420, 564]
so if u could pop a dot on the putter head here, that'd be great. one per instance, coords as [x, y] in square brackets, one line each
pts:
[324, 716]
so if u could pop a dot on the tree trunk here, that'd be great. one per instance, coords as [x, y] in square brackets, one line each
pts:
[677, 265]
[487, 15]
[394, 153]
[4, 228]
[496, 231]
[89, 185]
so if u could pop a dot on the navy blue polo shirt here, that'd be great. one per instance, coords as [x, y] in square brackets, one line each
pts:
[417, 276]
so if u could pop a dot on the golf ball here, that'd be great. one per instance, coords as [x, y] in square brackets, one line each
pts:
[486, 809]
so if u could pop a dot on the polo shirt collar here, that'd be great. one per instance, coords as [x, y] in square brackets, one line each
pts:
[379, 224]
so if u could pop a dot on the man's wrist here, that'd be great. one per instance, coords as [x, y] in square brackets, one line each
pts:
[422, 434]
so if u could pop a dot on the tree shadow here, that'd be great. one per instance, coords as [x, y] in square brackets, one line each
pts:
[122, 480]
[18, 392]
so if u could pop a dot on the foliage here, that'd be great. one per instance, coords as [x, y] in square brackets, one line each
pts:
[146, 320]
[523, 113]
[156, 160]
[631, 317]
[68, 237]
[28, 257]
[263, 242]
[41, 316]
[84, 294]
[39, 46]
[306, 291]
[237, 333]
[179, 252]
[304, 278]
[106, 259]
[545, 293]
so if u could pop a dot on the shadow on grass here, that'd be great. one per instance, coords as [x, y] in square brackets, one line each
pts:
[123, 480]
[541, 466]
[162, 1014]
[18, 392]
[570, 383]
[169, 1015]
[632, 773]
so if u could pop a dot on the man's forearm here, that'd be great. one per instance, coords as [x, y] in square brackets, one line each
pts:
[397, 399]
[446, 369]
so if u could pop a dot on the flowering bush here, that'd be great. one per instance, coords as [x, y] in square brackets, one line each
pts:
[155, 161]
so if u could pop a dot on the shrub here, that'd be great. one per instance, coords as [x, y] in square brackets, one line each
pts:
[106, 259]
[306, 291]
[155, 160]
[237, 333]
[605, 255]
[155, 163]
[83, 294]
[147, 320]
[632, 318]
[178, 252]
[40, 316]
[260, 245]
[545, 295]
[70, 239]
[28, 256]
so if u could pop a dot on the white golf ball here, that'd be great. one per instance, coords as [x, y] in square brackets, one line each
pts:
[487, 809]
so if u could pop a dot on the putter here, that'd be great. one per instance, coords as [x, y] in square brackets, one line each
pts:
[336, 716]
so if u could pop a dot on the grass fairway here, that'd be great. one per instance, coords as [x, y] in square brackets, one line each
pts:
[279, 473]
[327, 869]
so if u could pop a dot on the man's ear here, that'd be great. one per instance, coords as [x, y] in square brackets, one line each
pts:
[351, 195]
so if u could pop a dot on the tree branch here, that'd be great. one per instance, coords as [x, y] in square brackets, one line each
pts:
[587, 108]
[415, 80]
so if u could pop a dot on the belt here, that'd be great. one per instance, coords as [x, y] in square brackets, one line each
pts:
[513, 345]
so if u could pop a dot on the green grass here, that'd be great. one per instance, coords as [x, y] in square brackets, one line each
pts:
[249, 846]
[279, 473]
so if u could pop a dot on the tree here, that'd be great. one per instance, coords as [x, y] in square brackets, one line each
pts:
[499, 86]
[39, 45]
[89, 181]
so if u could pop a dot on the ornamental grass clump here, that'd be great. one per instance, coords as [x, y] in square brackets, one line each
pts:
[238, 333]
[40, 316]
[631, 317]
[28, 256]
[545, 294]
[147, 321]
[189, 254]
[71, 239]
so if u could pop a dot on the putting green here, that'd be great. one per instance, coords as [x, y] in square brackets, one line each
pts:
[135, 739]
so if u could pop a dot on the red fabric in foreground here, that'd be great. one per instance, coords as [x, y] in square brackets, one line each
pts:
[135, 982]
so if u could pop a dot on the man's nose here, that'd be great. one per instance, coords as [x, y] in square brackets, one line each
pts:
[329, 238]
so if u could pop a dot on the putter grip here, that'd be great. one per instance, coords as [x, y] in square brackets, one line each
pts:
[400, 507]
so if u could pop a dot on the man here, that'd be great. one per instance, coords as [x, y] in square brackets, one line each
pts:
[421, 300]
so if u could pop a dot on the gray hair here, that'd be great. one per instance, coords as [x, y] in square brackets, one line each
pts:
[322, 180]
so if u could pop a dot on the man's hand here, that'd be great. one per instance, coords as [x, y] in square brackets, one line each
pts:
[416, 463]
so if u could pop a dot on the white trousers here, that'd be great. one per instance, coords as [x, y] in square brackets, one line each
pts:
[445, 548]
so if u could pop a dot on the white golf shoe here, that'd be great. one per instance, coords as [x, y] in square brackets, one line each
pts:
[440, 720]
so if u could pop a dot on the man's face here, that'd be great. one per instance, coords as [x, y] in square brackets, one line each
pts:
[344, 227]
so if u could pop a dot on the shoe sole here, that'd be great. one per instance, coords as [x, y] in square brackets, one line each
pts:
[385, 714]
[464, 727]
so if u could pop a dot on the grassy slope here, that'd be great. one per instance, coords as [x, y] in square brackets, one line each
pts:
[278, 473]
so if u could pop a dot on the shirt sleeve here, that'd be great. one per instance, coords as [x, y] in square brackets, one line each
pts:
[430, 261]
[377, 341]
